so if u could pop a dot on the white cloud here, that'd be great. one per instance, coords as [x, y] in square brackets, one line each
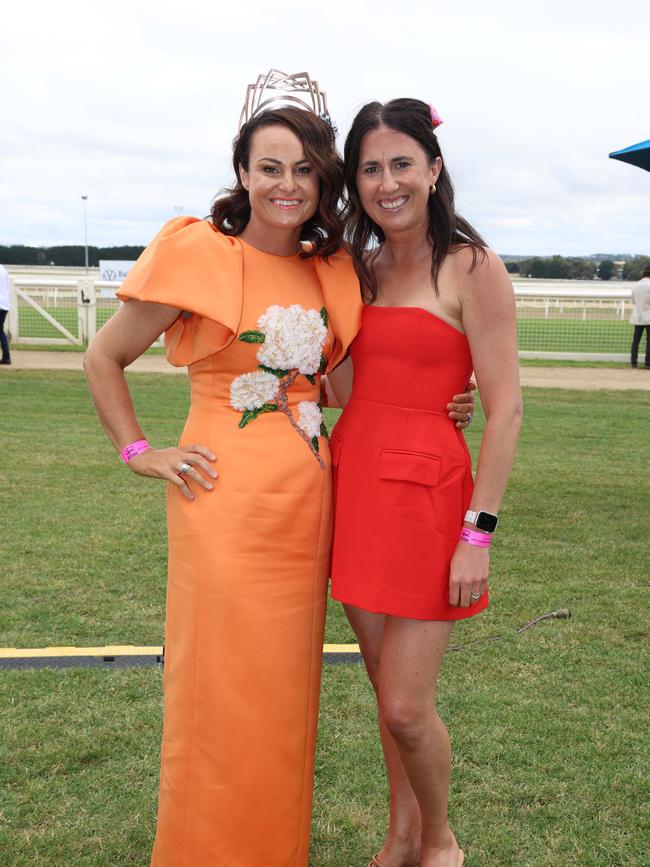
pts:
[135, 104]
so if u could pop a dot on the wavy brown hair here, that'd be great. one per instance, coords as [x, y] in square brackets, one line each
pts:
[231, 211]
[446, 228]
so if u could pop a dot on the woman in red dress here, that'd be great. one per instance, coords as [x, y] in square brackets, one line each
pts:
[411, 528]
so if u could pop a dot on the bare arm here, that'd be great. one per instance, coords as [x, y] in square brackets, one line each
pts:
[488, 309]
[488, 313]
[339, 383]
[119, 342]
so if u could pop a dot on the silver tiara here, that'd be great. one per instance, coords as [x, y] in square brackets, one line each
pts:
[276, 89]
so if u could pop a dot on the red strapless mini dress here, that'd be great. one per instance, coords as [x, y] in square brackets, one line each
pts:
[402, 470]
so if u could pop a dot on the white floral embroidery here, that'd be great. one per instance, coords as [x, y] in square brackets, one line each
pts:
[293, 338]
[252, 390]
[291, 342]
[310, 418]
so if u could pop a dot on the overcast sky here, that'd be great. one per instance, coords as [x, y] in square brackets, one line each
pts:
[135, 105]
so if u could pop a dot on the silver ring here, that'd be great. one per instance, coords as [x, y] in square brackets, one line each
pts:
[185, 468]
[469, 418]
[474, 595]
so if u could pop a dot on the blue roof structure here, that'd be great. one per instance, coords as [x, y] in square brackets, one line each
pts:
[636, 155]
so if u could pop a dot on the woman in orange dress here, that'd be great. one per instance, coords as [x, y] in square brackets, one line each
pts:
[258, 319]
[411, 529]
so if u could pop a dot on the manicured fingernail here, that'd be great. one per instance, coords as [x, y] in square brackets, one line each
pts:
[213, 474]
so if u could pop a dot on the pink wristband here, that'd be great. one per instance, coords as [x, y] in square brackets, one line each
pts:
[134, 449]
[483, 540]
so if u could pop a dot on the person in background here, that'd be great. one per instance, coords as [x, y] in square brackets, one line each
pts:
[5, 304]
[640, 317]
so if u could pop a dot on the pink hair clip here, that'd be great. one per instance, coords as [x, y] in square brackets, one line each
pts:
[436, 120]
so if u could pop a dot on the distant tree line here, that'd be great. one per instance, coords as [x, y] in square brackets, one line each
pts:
[18, 254]
[545, 267]
[575, 267]
[634, 267]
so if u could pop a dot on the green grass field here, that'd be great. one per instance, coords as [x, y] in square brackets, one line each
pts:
[549, 728]
[574, 335]
[32, 324]
[535, 334]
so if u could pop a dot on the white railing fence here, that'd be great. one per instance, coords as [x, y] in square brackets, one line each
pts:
[48, 310]
[555, 319]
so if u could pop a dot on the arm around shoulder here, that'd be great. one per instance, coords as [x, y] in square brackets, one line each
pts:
[339, 384]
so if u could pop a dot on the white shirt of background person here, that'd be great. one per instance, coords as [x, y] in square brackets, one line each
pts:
[641, 298]
[5, 301]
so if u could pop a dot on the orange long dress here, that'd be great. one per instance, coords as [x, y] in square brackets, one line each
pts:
[248, 561]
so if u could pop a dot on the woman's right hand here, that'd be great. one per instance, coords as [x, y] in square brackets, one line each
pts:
[167, 464]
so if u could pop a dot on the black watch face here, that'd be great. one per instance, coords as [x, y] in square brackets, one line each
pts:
[486, 522]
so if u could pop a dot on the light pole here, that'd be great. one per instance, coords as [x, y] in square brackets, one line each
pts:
[85, 201]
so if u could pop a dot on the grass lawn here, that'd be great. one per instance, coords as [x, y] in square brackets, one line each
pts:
[573, 335]
[32, 324]
[553, 362]
[549, 728]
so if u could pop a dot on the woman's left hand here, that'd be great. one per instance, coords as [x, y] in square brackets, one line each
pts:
[468, 575]
[461, 408]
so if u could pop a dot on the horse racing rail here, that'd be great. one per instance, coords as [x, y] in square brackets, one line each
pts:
[555, 318]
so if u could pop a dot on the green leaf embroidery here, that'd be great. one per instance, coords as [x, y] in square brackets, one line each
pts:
[275, 371]
[323, 364]
[310, 378]
[252, 337]
[248, 416]
[324, 316]
[323, 429]
[251, 414]
[314, 443]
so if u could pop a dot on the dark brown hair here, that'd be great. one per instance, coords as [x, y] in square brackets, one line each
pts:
[446, 228]
[231, 211]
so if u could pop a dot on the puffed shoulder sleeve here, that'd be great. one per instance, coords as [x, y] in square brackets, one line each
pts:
[342, 294]
[191, 266]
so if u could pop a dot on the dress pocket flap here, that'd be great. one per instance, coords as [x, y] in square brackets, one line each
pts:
[415, 467]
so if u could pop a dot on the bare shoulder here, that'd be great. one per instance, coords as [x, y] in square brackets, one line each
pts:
[481, 270]
[476, 262]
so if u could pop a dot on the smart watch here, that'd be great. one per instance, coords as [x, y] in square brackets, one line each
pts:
[485, 521]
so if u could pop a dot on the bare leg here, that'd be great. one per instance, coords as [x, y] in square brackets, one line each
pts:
[402, 846]
[410, 658]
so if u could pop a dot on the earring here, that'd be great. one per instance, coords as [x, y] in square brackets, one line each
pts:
[432, 190]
